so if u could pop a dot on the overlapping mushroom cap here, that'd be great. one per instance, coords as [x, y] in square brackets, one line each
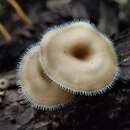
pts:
[39, 90]
[79, 58]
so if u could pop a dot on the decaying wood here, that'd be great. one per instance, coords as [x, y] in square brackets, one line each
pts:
[10, 77]
[122, 45]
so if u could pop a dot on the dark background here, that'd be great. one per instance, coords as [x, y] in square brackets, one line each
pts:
[110, 111]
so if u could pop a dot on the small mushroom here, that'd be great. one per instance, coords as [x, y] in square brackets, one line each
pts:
[3, 86]
[79, 58]
[4, 83]
[38, 89]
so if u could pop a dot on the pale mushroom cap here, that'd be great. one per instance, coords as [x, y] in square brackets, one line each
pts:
[39, 90]
[4, 83]
[79, 58]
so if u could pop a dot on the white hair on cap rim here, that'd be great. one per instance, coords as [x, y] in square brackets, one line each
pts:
[37, 88]
[79, 58]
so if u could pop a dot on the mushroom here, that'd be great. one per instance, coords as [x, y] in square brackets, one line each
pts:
[79, 58]
[38, 89]
[3, 86]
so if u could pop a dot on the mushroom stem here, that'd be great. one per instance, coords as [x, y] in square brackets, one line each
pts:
[20, 12]
[5, 33]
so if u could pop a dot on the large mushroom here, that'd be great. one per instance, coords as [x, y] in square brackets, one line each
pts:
[79, 58]
[38, 89]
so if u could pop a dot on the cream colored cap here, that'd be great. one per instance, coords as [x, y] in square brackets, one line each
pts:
[40, 91]
[79, 58]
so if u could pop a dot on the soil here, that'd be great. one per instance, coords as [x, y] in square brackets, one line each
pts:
[109, 111]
